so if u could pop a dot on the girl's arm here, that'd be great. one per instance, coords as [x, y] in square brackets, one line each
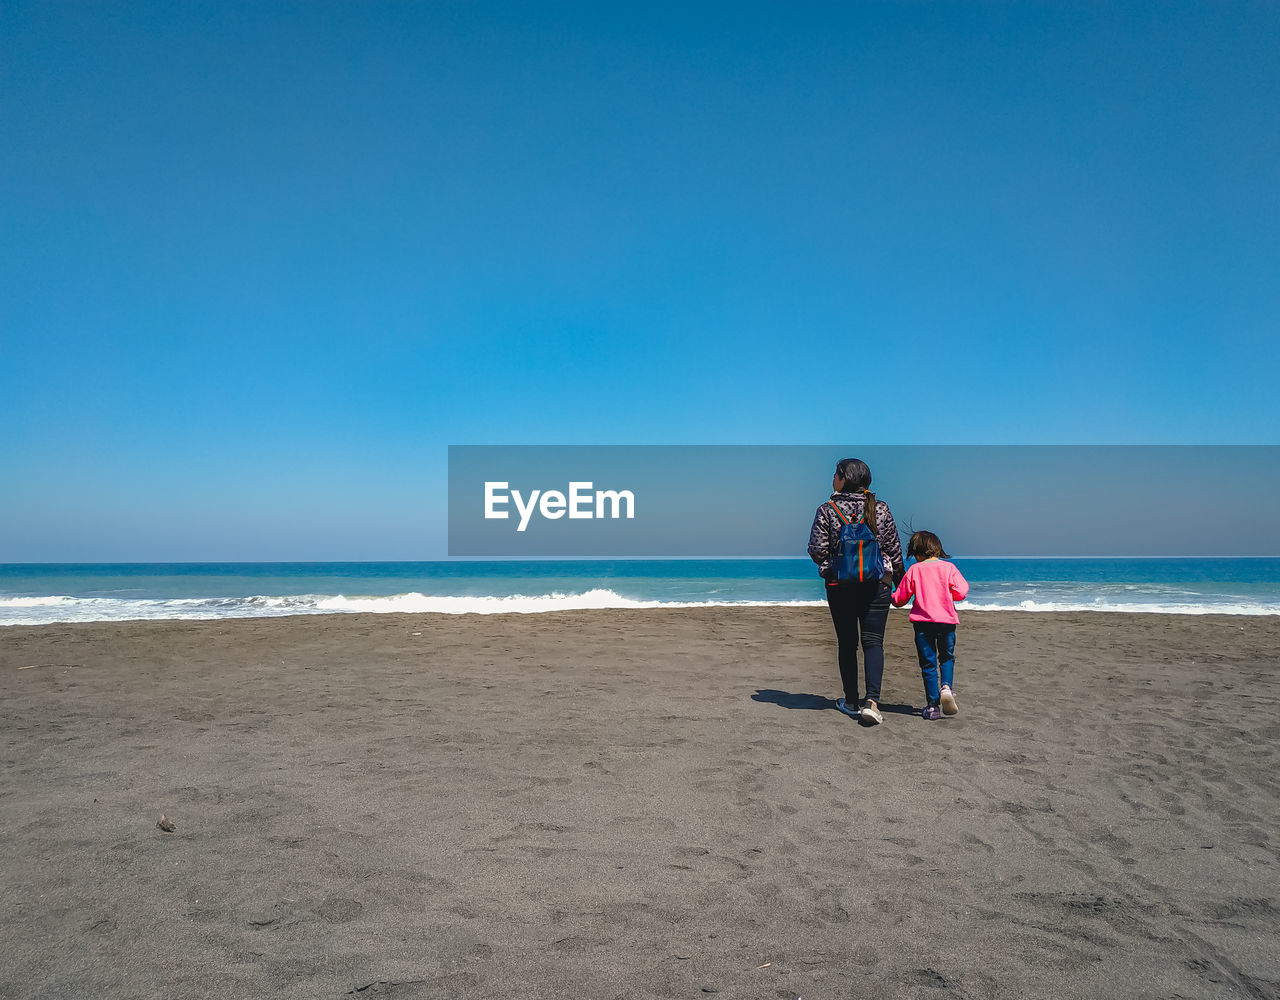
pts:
[959, 585]
[905, 590]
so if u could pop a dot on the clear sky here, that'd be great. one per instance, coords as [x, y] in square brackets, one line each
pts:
[263, 262]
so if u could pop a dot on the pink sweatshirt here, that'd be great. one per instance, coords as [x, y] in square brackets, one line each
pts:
[936, 585]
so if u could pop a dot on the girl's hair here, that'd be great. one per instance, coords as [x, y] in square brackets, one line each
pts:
[855, 474]
[925, 545]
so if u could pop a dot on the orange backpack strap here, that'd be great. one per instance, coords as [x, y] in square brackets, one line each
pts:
[831, 504]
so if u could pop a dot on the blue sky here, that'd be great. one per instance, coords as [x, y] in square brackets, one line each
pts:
[264, 262]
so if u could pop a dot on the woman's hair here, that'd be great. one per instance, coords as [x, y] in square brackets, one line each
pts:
[925, 545]
[855, 474]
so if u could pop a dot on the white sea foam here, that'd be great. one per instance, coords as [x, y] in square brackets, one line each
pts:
[518, 604]
[1133, 607]
[42, 610]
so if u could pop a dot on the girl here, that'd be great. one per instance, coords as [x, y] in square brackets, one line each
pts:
[936, 586]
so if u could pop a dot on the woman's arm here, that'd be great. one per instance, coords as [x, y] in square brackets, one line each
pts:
[820, 539]
[890, 543]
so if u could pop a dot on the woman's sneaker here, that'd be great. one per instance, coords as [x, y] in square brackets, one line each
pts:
[931, 713]
[871, 715]
[949, 706]
[843, 706]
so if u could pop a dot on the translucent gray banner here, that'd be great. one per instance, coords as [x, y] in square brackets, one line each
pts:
[759, 500]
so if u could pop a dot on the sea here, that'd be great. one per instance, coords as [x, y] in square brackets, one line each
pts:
[41, 594]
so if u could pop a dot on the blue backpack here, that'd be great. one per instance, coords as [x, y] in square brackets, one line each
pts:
[857, 552]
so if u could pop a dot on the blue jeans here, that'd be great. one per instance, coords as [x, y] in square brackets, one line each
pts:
[936, 647]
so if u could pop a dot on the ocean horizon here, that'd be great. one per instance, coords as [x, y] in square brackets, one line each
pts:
[51, 593]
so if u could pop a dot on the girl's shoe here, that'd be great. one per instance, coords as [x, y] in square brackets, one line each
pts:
[871, 715]
[931, 713]
[949, 706]
[843, 706]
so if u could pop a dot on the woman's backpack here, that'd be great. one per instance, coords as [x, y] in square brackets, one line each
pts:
[857, 552]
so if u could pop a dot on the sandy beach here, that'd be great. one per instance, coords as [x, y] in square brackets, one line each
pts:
[631, 804]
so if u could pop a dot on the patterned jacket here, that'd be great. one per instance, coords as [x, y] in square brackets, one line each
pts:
[826, 532]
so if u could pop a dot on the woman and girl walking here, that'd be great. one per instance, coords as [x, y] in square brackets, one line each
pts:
[855, 543]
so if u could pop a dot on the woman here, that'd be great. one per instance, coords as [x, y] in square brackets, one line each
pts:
[859, 609]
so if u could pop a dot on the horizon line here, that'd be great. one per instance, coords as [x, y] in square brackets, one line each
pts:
[555, 559]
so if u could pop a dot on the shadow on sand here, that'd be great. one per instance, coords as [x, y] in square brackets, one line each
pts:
[817, 702]
[785, 699]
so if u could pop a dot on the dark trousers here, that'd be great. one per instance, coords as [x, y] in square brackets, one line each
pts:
[859, 612]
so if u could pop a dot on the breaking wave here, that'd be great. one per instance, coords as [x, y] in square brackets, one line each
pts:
[48, 610]
[1133, 607]
[61, 609]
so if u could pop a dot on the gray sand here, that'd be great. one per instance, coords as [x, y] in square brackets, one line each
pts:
[637, 804]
